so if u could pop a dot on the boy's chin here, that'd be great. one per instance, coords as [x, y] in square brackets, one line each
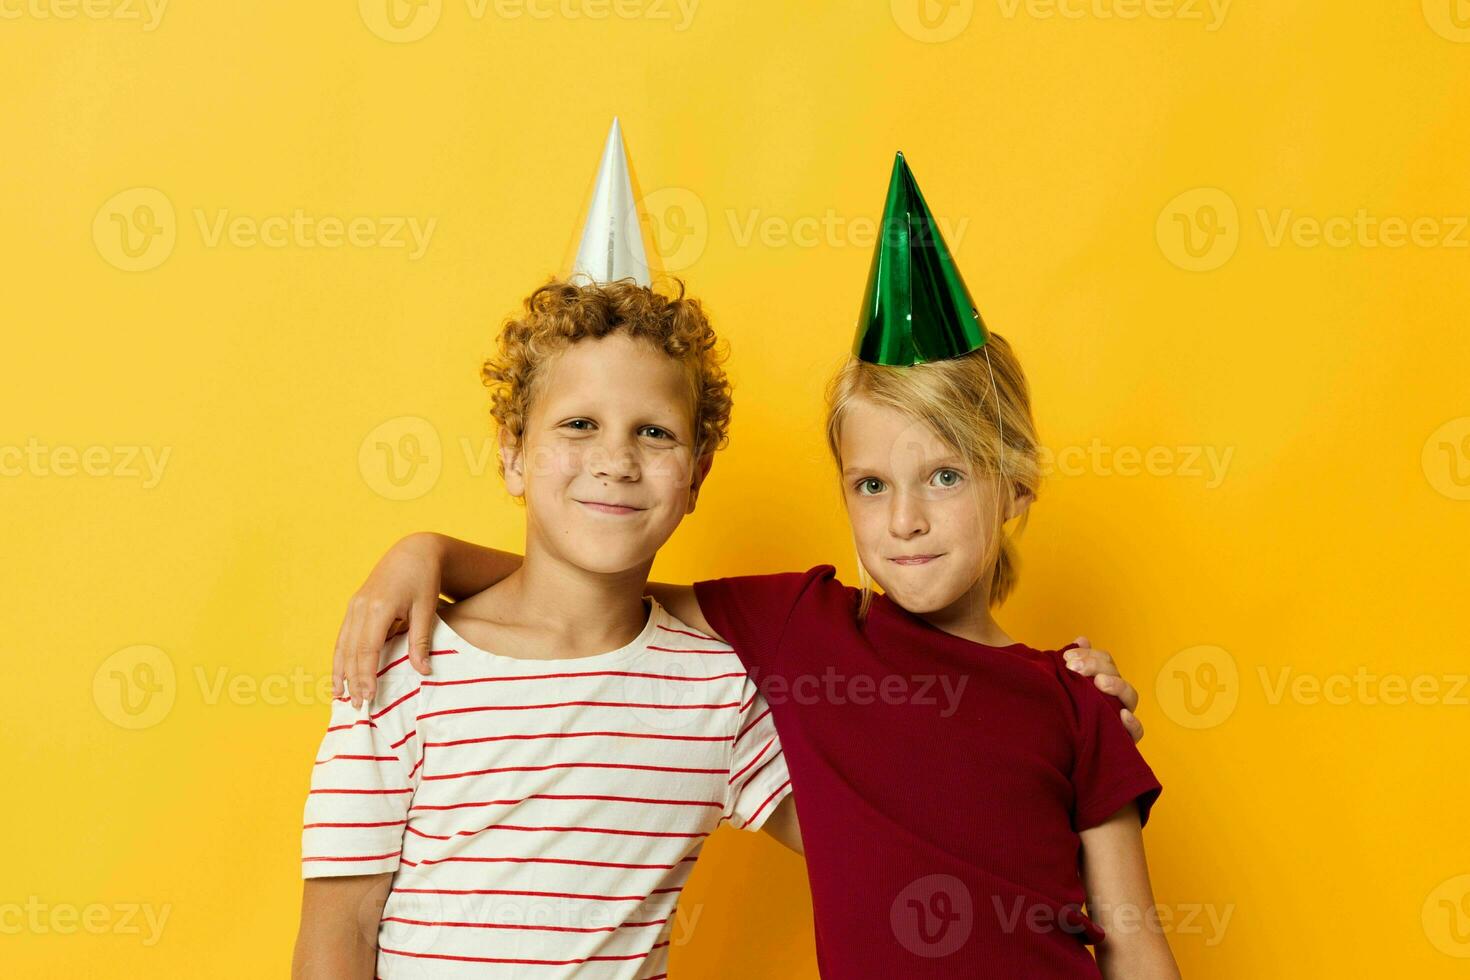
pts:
[605, 562]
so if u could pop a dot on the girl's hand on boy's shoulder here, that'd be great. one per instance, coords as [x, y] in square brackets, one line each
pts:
[401, 593]
[1099, 665]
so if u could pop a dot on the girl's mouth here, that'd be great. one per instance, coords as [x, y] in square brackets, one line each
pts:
[915, 559]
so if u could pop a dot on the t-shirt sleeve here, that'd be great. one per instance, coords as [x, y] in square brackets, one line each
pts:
[758, 779]
[750, 612]
[363, 781]
[1108, 771]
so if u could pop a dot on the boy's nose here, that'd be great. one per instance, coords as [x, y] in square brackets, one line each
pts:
[614, 463]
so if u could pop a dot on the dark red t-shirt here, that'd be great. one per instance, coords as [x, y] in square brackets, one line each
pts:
[940, 783]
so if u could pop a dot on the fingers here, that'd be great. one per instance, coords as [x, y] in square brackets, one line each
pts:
[1082, 641]
[1134, 726]
[369, 644]
[357, 609]
[1099, 665]
[339, 654]
[420, 635]
[1125, 693]
[1089, 662]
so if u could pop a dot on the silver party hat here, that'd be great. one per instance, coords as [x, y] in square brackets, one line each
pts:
[612, 243]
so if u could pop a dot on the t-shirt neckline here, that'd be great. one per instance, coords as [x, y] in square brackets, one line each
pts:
[632, 648]
[882, 599]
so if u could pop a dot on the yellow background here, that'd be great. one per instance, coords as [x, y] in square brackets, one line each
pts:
[1076, 149]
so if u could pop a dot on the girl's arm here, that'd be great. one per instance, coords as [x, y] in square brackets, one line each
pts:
[1120, 899]
[403, 593]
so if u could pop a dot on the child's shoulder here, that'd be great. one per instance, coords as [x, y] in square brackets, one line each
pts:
[672, 634]
[393, 666]
[1081, 692]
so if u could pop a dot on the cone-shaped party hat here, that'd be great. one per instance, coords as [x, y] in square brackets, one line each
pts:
[916, 307]
[611, 244]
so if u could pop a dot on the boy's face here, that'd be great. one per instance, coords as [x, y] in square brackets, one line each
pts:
[606, 462]
[924, 520]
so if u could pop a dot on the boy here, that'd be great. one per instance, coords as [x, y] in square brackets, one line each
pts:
[540, 800]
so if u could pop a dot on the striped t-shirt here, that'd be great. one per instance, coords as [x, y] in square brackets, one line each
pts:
[540, 816]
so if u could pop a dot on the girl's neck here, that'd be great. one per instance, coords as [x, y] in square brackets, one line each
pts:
[969, 618]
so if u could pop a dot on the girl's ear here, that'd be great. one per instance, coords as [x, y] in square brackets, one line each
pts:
[701, 473]
[512, 458]
[1020, 503]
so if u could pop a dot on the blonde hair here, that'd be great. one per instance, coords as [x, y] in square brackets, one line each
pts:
[979, 404]
[562, 313]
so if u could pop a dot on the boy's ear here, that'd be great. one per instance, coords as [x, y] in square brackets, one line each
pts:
[701, 472]
[513, 460]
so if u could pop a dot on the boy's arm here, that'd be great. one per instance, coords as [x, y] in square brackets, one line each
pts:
[782, 824]
[1120, 899]
[338, 937]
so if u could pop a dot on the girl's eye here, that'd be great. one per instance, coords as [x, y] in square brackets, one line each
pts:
[869, 486]
[658, 433]
[581, 425]
[947, 478]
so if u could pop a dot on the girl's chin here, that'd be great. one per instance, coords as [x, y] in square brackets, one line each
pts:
[927, 600]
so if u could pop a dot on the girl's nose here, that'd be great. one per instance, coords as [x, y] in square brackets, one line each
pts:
[906, 519]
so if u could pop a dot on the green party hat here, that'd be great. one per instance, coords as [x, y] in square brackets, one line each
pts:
[916, 307]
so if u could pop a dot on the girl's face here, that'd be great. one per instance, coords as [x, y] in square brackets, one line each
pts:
[925, 521]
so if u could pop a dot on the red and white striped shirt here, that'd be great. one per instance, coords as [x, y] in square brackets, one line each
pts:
[540, 816]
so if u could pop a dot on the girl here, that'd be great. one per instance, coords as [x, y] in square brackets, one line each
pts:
[960, 794]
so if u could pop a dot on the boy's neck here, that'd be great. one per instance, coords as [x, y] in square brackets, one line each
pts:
[549, 605]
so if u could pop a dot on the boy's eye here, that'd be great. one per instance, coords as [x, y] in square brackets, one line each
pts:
[869, 486]
[947, 478]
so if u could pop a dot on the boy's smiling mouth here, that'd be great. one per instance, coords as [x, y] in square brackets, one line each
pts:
[603, 508]
[915, 559]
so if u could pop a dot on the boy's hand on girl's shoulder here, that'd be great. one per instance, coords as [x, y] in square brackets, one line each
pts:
[1099, 665]
[401, 593]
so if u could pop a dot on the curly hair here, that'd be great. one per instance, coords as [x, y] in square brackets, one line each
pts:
[561, 313]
